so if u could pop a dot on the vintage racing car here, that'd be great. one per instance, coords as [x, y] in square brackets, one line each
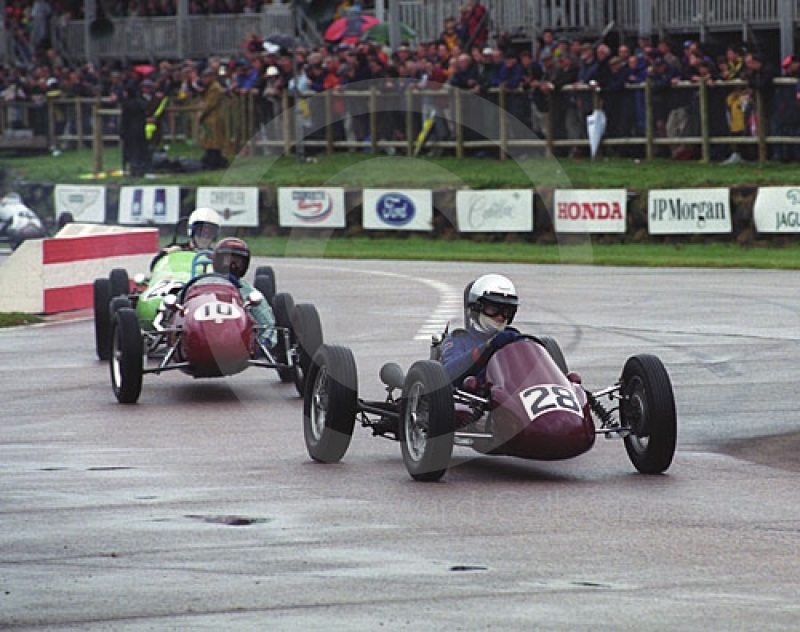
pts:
[168, 275]
[529, 405]
[206, 330]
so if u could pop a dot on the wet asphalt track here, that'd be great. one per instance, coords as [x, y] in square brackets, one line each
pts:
[198, 508]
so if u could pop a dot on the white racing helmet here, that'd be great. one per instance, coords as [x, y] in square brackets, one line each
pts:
[203, 227]
[489, 296]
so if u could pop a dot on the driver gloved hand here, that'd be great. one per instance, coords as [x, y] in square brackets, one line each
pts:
[503, 338]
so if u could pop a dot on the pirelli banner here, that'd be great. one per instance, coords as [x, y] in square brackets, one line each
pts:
[590, 210]
[777, 210]
[689, 211]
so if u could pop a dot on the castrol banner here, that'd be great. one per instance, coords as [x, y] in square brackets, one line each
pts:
[311, 207]
[590, 210]
[689, 211]
[391, 209]
[777, 210]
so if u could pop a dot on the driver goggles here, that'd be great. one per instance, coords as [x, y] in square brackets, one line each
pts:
[492, 310]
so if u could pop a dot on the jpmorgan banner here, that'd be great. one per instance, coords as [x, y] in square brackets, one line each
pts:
[495, 211]
[590, 210]
[311, 207]
[689, 211]
[777, 210]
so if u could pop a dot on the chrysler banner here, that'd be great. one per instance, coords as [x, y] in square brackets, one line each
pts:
[86, 203]
[495, 211]
[149, 205]
[389, 209]
[777, 210]
[590, 210]
[689, 211]
[311, 207]
[238, 206]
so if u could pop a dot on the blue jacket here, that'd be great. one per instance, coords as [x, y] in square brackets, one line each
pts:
[462, 353]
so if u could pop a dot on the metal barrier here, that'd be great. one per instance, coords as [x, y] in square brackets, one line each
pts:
[377, 121]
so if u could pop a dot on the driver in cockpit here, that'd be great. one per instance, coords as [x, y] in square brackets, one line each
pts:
[232, 258]
[203, 226]
[492, 303]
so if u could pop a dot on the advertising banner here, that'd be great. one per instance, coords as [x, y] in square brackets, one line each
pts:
[86, 203]
[777, 210]
[311, 207]
[590, 210]
[238, 206]
[390, 209]
[149, 204]
[502, 210]
[689, 211]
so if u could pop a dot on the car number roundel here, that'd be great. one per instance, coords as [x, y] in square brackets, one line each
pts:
[217, 311]
[546, 398]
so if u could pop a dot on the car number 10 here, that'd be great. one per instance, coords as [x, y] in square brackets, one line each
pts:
[546, 398]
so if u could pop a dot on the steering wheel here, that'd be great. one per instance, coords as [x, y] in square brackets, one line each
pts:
[202, 258]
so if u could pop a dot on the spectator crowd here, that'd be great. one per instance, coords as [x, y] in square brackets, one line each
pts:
[462, 58]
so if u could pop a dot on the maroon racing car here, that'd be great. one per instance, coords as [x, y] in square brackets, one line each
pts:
[208, 331]
[528, 405]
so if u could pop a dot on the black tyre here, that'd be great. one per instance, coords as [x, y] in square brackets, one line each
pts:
[120, 284]
[117, 303]
[127, 356]
[330, 403]
[427, 421]
[268, 272]
[283, 308]
[648, 409]
[266, 285]
[555, 352]
[308, 334]
[102, 318]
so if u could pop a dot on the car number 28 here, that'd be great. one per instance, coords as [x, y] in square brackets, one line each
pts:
[546, 398]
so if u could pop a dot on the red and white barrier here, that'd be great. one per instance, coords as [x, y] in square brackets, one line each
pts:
[46, 276]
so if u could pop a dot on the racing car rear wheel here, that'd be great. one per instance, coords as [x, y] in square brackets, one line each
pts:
[648, 409]
[330, 403]
[102, 318]
[308, 332]
[268, 272]
[120, 284]
[127, 356]
[555, 352]
[283, 307]
[266, 285]
[427, 421]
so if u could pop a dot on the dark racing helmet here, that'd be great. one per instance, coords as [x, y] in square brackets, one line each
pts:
[232, 256]
[489, 297]
[204, 226]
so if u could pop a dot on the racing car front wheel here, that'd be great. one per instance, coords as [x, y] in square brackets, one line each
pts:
[330, 403]
[283, 307]
[127, 356]
[102, 318]
[266, 285]
[120, 283]
[427, 421]
[648, 410]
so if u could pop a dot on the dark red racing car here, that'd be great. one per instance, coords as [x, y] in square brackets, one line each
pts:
[528, 405]
[206, 330]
